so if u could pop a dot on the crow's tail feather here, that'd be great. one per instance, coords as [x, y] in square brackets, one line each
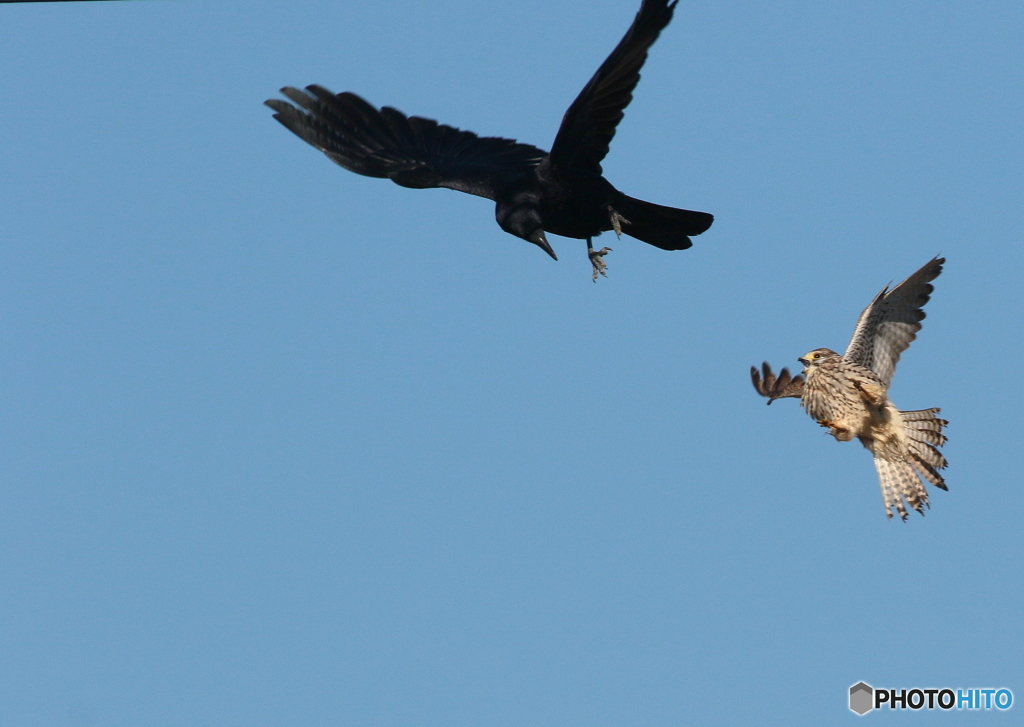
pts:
[665, 227]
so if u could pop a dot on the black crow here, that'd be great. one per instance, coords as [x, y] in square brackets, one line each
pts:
[561, 191]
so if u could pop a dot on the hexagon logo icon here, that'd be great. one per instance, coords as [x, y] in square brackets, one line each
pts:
[861, 698]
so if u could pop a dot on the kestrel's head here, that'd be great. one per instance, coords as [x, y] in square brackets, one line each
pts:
[816, 356]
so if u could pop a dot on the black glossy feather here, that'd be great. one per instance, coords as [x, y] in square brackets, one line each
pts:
[535, 192]
[589, 123]
[410, 150]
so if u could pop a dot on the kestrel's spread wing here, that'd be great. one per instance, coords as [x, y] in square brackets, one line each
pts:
[848, 394]
[892, 320]
[776, 387]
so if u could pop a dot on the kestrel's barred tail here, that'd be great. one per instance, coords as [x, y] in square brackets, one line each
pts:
[900, 482]
[901, 479]
[924, 432]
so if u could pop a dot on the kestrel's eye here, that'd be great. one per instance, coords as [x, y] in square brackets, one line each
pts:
[815, 356]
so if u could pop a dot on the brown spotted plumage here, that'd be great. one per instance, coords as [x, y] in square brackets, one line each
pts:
[848, 394]
[776, 387]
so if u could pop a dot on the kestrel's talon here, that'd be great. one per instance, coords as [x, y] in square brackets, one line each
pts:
[875, 398]
[843, 434]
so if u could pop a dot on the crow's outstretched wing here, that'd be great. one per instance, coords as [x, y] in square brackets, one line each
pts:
[892, 320]
[408, 150]
[589, 124]
[772, 387]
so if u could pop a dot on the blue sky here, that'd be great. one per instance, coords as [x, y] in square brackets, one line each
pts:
[283, 445]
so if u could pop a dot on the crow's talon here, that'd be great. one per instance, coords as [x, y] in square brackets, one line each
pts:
[617, 221]
[597, 260]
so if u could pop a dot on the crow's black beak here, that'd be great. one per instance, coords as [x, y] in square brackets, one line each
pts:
[538, 239]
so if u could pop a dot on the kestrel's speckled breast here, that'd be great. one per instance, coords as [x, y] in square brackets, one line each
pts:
[831, 395]
[828, 396]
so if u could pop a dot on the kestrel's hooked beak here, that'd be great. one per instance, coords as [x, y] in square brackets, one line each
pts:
[538, 239]
[812, 356]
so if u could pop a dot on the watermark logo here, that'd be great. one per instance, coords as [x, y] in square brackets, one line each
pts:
[861, 698]
[864, 698]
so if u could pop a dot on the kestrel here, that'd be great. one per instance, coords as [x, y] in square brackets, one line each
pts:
[848, 394]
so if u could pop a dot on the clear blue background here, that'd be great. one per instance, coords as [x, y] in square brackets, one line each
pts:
[283, 445]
